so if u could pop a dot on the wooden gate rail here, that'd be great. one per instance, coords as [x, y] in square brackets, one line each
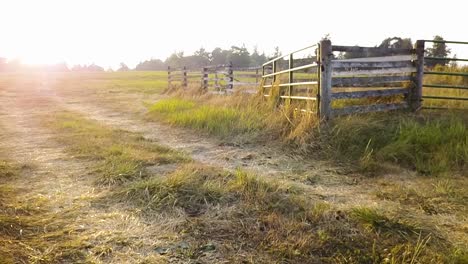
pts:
[271, 76]
[428, 71]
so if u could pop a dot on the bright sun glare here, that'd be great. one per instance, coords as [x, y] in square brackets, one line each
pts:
[109, 32]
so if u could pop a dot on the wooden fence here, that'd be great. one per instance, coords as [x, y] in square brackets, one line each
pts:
[223, 78]
[451, 85]
[347, 86]
[316, 79]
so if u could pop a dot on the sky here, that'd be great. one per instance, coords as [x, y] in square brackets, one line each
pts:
[108, 32]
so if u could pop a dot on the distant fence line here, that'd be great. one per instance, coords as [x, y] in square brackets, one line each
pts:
[219, 78]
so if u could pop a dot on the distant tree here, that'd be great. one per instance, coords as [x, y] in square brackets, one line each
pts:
[200, 58]
[123, 67]
[257, 59]
[175, 60]
[439, 50]
[94, 68]
[276, 53]
[219, 56]
[239, 56]
[151, 65]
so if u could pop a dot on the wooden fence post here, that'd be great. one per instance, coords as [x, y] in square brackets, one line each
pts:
[230, 75]
[325, 79]
[256, 76]
[205, 79]
[184, 82]
[262, 89]
[169, 84]
[291, 78]
[216, 79]
[415, 98]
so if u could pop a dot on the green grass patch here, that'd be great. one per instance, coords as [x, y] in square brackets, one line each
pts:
[122, 155]
[430, 145]
[222, 121]
[126, 82]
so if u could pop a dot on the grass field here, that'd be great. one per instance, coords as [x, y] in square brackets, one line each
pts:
[398, 197]
[268, 215]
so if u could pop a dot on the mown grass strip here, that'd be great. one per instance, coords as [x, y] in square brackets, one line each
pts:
[121, 155]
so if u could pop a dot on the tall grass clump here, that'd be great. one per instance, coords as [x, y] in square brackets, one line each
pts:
[432, 146]
[238, 116]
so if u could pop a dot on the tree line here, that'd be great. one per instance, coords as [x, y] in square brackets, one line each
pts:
[239, 56]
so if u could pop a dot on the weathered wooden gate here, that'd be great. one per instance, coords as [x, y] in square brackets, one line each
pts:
[380, 79]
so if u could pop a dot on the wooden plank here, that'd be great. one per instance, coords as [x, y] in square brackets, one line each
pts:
[445, 86]
[247, 68]
[245, 75]
[291, 84]
[298, 97]
[379, 59]
[462, 74]
[368, 81]
[355, 73]
[313, 65]
[445, 98]
[244, 84]
[287, 55]
[371, 64]
[358, 109]
[365, 94]
[371, 49]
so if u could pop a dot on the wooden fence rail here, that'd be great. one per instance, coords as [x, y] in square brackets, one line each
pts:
[223, 78]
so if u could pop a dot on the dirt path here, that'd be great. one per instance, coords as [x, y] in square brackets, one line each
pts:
[64, 188]
[323, 179]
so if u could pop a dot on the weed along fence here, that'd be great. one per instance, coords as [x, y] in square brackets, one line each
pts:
[224, 78]
[444, 86]
[379, 79]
